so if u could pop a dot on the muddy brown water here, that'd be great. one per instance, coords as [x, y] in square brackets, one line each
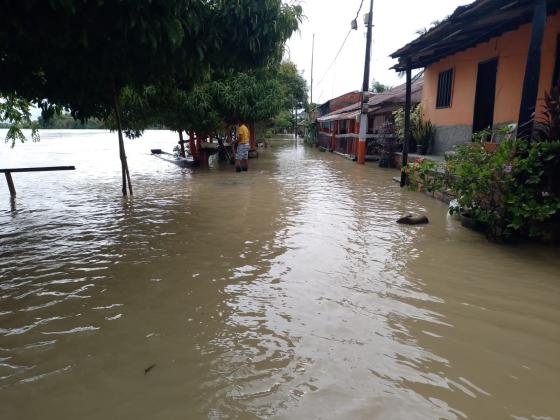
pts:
[287, 292]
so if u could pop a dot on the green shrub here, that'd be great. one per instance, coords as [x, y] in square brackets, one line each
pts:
[311, 135]
[426, 175]
[512, 192]
[422, 132]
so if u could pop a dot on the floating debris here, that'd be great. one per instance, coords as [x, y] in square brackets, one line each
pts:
[413, 220]
[149, 368]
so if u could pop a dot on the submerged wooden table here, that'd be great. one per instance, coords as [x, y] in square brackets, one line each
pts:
[10, 181]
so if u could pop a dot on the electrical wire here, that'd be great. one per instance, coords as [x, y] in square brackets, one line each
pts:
[335, 58]
[340, 49]
[359, 10]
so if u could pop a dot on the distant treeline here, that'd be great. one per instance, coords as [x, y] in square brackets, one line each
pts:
[61, 122]
[66, 121]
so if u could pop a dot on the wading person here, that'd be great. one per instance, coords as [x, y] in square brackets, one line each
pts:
[242, 150]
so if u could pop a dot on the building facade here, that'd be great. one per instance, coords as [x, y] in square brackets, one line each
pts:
[471, 86]
[339, 130]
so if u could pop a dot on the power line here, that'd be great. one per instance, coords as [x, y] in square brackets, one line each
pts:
[340, 49]
[359, 10]
[335, 58]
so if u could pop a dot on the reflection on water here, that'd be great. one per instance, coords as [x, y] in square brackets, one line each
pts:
[286, 292]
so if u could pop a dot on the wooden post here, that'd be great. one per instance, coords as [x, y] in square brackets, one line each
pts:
[198, 141]
[182, 143]
[407, 111]
[532, 73]
[556, 74]
[192, 146]
[8, 173]
[334, 133]
[10, 183]
[252, 137]
[295, 123]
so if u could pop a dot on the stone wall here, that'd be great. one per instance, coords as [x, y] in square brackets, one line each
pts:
[447, 137]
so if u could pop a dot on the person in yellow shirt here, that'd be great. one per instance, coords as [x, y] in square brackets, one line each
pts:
[242, 150]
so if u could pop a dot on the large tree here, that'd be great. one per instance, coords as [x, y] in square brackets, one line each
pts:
[257, 95]
[80, 54]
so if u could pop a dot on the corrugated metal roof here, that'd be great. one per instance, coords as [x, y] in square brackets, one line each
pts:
[467, 27]
[394, 96]
[340, 115]
[397, 95]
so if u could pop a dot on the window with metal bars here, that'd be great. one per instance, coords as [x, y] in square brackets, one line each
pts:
[445, 88]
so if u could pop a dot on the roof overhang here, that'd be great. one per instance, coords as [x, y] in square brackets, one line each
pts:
[340, 116]
[390, 99]
[467, 27]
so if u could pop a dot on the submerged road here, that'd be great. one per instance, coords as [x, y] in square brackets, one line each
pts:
[286, 292]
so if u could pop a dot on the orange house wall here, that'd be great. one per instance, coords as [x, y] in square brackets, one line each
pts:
[511, 50]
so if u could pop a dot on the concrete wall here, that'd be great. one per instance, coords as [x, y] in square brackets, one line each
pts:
[511, 50]
[449, 136]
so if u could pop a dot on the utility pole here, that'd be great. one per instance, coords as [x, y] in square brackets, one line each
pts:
[312, 63]
[365, 89]
[295, 122]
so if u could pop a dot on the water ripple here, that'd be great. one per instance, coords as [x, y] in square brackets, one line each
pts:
[287, 292]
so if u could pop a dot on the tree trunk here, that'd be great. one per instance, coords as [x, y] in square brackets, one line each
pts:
[122, 153]
[192, 146]
[182, 143]
[252, 136]
[198, 141]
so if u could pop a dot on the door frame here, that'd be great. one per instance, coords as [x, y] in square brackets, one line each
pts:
[490, 60]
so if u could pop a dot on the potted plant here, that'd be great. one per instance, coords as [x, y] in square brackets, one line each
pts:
[423, 133]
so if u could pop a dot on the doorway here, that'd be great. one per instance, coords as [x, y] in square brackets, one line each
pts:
[485, 95]
[556, 74]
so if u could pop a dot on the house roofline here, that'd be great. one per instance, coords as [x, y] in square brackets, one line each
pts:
[467, 27]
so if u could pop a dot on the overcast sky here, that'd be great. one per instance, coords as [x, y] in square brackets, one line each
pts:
[395, 23]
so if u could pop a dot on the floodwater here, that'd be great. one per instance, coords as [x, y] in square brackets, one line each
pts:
[286, 292]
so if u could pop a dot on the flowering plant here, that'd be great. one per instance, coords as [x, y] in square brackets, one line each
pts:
[512, 192]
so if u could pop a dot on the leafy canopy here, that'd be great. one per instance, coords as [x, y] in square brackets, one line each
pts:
[78, 54]
[254, 95]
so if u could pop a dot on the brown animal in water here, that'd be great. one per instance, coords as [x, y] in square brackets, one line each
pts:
[413, 220]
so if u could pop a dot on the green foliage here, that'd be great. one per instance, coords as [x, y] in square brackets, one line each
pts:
[15, 110]
[293, 86]
[311, 136]
[497, 135]
[513, 192]
[284, 121]
[260, 95]
[79, 54]
[65, 121]
[378, 87]
[422, 131]
[425, 175]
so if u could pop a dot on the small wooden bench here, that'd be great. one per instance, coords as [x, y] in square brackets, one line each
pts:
[8, 173]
